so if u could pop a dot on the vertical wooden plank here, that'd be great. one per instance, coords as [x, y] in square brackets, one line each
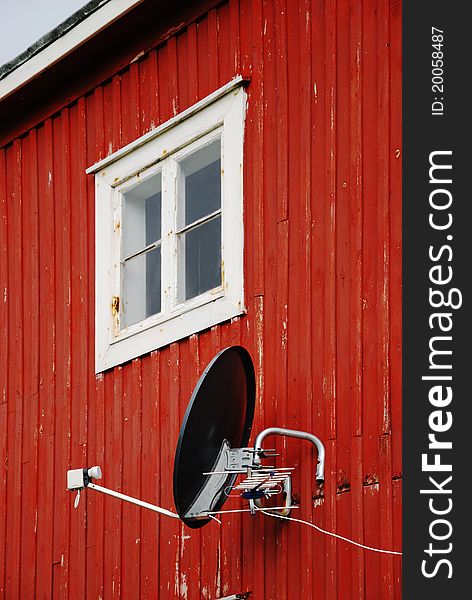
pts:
[322, 228]
[170, 529]
[15, 376]
[62, 504]
[31, 365]
[154, 90]
[269, 316]
[172, 76]
[252, 527]
[145, 100]
[213, 49]
[190, 540]
[383, 214]
[385, 517]
[99, 127]
[148, 92]
[234, 37]
[113, 392]
[113, 115]
[189, 574]
[183, 76]
[357, 508]
[47, 358]
[397, 536]
[356, 238]
[258, 356]
[150, 476]
[131, 415]
[345, 550]
[130, 111]
[4, 332]
[96, 430]
[231, 528]
[203, 50]
[79, 328]
[344, 406]
[282, 124]
[370, 120]
[107, 118]
[395, 182]
[225, 71]
[356, 235]
[93, 582]
[194, 371]
[113, 478]
[165, 111]
[296, 374]
[308, 488]
[245, 30]
[131, 525]
[3, 494]
[299, 306]
[383, 302]
[372, 538]
[255, 153]
[281, 389]
[330, 389]
[28, 479]
[395, 279]
[96, 502]
[210, 344]
[192, 64]
[371, 390]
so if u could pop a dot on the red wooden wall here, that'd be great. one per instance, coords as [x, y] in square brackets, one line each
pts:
[323, 284]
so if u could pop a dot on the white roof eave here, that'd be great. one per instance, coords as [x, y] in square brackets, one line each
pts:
[64, 45]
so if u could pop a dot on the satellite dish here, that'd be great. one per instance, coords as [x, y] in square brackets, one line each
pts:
[212, 449]
[219, 417]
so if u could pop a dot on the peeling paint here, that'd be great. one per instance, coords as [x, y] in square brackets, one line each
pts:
[184, 586]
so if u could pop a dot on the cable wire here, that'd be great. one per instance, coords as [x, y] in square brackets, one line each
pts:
[335, 535]
[215, 519]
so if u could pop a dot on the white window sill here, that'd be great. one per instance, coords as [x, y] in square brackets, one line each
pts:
[165, 331]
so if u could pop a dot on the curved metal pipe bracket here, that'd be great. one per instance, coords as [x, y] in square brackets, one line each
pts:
[259, 452]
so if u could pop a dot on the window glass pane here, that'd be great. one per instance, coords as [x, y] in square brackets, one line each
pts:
[153, 282]
[141, 287]
[200, 183]
[141, 215]
[201, 247]
[152, 213]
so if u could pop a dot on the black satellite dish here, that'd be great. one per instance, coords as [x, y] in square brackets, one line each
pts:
[219, 417]
[211, 450]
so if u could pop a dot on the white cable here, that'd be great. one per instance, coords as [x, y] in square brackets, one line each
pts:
[330, 533]
[215, 519]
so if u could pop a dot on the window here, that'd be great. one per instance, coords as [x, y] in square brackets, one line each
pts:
[169, 230]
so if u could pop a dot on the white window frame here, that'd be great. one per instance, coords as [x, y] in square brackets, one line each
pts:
[220, 114]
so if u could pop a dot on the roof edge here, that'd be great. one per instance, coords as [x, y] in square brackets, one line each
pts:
[61, 41]
[50, 37]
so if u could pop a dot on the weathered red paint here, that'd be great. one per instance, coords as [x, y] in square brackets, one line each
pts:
[323, 292]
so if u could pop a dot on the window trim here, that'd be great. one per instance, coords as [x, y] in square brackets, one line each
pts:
[222, 112]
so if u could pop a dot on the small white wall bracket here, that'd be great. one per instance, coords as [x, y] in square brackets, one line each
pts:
[78, 479]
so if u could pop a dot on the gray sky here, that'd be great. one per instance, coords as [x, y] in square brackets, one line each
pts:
[22, 22]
